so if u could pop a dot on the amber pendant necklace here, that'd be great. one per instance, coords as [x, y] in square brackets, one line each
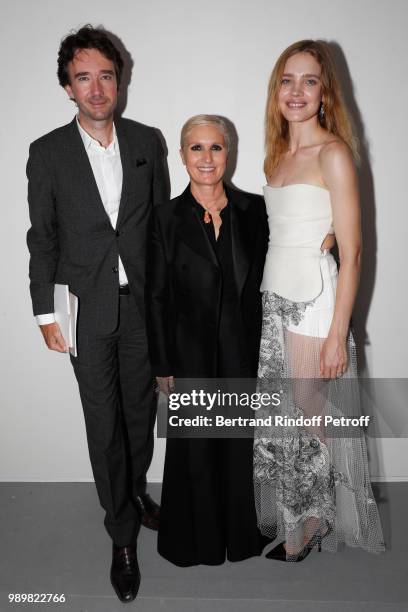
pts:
[207, 217]
[208, 213]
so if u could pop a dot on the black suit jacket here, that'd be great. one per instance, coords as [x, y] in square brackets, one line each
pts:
[71, 239]
[184, 284]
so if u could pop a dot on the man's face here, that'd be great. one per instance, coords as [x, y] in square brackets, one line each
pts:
[93, 84]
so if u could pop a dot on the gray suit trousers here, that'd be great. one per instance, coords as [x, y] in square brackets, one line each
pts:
[116, 388]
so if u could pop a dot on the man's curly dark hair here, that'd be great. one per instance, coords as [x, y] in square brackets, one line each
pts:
[87, 37]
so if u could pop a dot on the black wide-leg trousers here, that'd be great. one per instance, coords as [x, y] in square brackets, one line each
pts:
[208, 508]
[118, 399]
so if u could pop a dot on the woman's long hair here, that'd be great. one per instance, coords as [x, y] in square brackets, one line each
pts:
[335, 119]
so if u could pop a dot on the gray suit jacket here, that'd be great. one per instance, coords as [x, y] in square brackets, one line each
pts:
[71, 239]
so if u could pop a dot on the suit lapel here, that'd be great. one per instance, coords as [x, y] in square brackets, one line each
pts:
[240, 235]
[192, 232]
[126, 167]
[85, 175]
[190, 228]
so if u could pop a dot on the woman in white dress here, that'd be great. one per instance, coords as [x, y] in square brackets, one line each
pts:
[312, 484]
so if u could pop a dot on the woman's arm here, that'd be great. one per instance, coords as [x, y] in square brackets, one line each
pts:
[341, 178]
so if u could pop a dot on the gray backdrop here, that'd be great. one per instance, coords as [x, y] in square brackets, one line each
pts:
[193, 58]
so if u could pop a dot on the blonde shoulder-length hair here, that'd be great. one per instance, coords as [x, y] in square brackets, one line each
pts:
[335, 119]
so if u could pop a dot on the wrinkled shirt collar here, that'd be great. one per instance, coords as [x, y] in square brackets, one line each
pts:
[92, 144]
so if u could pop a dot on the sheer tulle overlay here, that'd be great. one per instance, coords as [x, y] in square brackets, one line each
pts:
[310, 483]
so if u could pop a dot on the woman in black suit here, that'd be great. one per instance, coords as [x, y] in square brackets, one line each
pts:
[205, 264]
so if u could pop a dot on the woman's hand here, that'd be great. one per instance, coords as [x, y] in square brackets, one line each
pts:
[333, 357]
[165, 384]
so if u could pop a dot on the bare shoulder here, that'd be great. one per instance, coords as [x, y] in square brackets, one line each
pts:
[336, 162]
[335, 151]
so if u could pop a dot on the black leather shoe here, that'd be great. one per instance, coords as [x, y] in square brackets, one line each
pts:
[149, 511]
[125, 574]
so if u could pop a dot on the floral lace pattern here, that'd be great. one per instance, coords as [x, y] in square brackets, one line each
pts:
[276, 311]
[297, 461]
[298, 474]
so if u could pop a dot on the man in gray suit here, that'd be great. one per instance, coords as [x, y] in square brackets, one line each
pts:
[92, 185]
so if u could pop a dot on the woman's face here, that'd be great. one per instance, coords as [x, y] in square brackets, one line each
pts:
[204, 155]
[300, 91]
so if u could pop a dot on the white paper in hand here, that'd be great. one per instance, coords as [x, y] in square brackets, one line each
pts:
[66, 312]
[73, 317]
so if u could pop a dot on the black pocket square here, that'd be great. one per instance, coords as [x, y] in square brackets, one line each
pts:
[141, 162]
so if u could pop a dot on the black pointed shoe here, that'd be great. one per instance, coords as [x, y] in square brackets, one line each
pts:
[279, 552]
[148, 510]
[125, 574]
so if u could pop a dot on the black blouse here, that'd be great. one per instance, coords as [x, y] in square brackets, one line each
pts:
[232, 349]
[223, 250]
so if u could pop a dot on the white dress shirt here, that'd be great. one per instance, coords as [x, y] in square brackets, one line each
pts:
[107, 170]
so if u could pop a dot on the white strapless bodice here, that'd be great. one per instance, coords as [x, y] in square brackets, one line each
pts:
[300, 217]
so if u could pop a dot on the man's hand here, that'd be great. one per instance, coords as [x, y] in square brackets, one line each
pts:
[165, 384]
[53, 337]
